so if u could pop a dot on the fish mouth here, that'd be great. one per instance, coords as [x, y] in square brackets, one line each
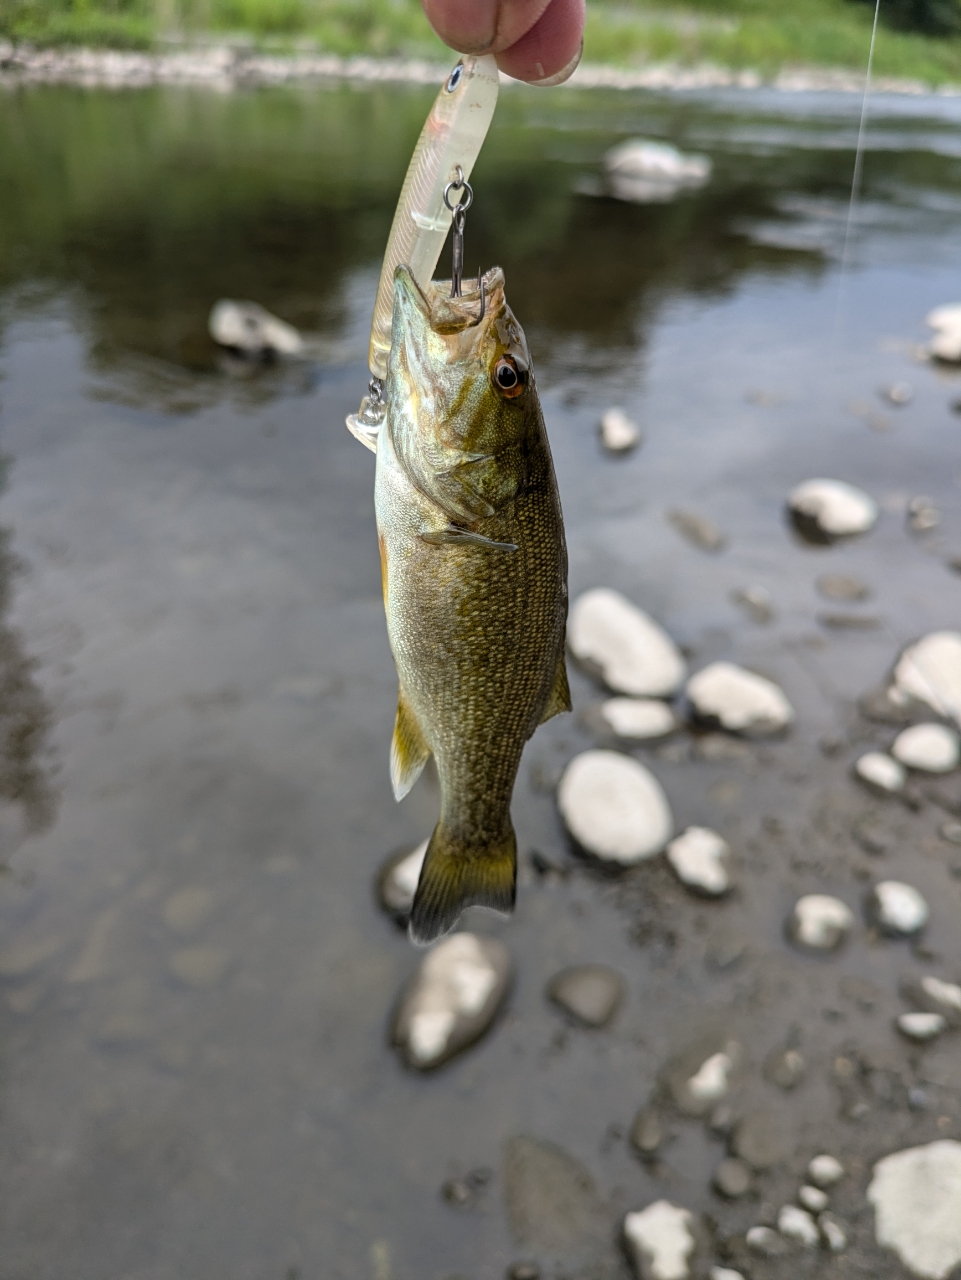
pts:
[433, 308]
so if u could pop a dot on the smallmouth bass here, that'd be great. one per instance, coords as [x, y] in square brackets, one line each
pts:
[475, 579]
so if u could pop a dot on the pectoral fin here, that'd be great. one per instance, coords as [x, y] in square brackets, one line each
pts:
[408, 750]
[559, 698]
[365, 432]
[451, 535]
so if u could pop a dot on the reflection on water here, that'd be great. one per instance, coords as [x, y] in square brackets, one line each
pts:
[195, 981]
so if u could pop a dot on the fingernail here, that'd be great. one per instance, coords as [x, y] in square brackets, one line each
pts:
[565, 72]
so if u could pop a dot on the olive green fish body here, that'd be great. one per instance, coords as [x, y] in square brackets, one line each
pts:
[475, 582]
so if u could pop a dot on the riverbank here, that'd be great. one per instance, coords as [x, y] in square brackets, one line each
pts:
[225, 66]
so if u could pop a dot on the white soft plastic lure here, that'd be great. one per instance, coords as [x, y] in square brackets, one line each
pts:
[446, 150]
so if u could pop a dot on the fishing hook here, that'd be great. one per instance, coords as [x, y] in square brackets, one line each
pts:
[459, 212]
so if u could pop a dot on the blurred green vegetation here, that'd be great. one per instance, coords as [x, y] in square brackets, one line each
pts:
[922, 38]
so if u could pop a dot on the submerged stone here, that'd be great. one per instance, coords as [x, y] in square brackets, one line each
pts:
[660, 1240]
[452, 999]
[630, 652]
[738, 700]
[839, 586]
[590, 993]
[552, 1203]
[935, 996]
[614, 807]
[813, 1199]
[647, 1132]
[699, 1077]
[916, 1194]
[698, 530]
[826, 510]
[732, 1178]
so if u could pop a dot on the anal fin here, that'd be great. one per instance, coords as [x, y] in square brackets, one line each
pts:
[559, 698]
[408, 750]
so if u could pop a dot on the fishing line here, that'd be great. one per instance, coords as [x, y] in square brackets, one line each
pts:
[856, 180]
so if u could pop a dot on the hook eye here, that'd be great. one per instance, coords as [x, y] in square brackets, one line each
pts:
[455, 77]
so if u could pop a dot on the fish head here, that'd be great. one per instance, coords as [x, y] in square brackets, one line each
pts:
[459, 378]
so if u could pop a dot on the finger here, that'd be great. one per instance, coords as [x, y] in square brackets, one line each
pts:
[483, 26]
[549, 52]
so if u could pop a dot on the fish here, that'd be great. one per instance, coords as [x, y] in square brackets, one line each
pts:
[474, 566]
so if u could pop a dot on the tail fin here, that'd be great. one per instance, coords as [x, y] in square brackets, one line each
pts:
[456, 876]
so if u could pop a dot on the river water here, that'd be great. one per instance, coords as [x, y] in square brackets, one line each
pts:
[197, 694]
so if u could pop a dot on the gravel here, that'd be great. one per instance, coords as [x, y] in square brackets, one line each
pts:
[916, 1194]
[934, 995]
[702, 1075]
[813, 1199]
[732, 1178]
[697, 530]
[646, 1133]
[738, 700]
[614, 808]
[452, 999]
[630, 652]
[700, 858]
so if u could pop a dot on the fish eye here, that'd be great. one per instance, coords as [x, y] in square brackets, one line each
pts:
[508, 377]
[455, 77]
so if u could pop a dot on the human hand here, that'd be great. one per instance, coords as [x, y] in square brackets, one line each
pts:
[535, 40]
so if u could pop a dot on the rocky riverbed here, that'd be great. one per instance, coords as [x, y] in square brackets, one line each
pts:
[720, 1036]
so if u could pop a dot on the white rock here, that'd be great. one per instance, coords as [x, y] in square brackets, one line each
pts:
[813, 1199]
[710, 1081]
[825, 1171]
[398, 881]
[614, 807]
[652, 172]
[947, 995]
[638, 718]
[916, 1195]
[633, 654]
[725, 1273]
[833, 1234]
[700, 859]
[618, 433]
[798, 1225]
[933, 748]
[820, 921]
[661, 1240]
[946, 321]
[739, 700]
[452, 999]
[880, 771]
[246, 326]
[921, 1026]
[898, 908]
[832, 508]
[765, 1241]
[931, 672]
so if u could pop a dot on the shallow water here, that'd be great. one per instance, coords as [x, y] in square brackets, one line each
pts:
[195, 978]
